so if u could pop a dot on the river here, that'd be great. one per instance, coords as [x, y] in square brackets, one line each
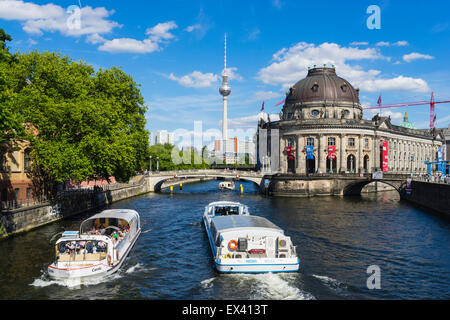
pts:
[337, 239]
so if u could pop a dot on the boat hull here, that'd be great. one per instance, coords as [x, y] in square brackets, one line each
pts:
[257, 265]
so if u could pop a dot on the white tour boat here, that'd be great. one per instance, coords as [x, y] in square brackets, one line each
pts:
[242, 243]
[100, 246]
[226, 185]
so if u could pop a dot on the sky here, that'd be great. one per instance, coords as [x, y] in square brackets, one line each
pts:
[175, 51]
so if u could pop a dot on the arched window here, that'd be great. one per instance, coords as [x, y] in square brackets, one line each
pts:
[366, 163]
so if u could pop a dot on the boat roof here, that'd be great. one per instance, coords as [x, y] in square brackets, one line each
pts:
[125, 214]
[234, 222]
[225, 203]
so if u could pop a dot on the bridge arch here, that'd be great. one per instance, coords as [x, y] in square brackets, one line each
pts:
[158, 181]
[354, 188]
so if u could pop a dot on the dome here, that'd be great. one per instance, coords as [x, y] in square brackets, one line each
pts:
[322, 84]
[406, 123]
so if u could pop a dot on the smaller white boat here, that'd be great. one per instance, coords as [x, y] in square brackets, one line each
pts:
[242, 243]
[226, 185]
[100, 246]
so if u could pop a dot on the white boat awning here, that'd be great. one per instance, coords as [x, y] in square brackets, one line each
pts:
[124, 214]
[235, 222]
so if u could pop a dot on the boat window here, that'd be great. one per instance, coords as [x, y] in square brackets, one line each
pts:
[227, 211]
[81, 250]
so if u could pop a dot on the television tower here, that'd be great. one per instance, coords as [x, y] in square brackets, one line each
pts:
[225, 91]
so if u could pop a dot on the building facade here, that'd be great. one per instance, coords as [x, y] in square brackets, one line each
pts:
[163, 137]
[15, 167]
[322, 130]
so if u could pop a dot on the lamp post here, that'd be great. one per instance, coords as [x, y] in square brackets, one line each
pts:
[412, 159]
[150, 164]
[157, 164]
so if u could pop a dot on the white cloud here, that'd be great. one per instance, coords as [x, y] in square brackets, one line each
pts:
[201, 26]
[95, 38]
[395, 116]
[383, 44]
[356, 43]
[53, 18]
[129, 45]
[193, 27]
[157, 35]
[401, 43]
[196, 79]
[161, 31]
[414, 56]
[20, 10]
[291, 65]
[399, 83]
[233, 75]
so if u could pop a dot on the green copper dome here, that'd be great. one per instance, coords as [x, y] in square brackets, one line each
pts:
[407, 124]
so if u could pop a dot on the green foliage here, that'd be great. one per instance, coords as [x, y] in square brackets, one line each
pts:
[11, 126]
[171, 158]
[90, 125]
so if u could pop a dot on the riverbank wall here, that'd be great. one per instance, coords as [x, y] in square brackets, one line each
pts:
[72, 203]
[21, 220]
[429, 195]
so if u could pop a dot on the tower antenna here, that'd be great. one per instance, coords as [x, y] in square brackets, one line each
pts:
[225, 57]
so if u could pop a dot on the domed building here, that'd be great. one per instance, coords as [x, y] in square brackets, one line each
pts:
[322, 130]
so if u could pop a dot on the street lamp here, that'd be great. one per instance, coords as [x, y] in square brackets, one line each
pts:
[157, 164]
[412, 159]
[150, 165]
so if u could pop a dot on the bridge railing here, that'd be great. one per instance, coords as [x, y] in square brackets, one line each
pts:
[205, 172]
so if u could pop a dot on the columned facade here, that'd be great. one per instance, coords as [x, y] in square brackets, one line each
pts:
[323, 110]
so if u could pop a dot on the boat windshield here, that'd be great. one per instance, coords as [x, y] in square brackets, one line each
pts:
[226, 210]
[81, 250]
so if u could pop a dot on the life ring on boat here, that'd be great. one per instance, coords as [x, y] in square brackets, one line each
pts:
[233, 244]
[228, 256]
[109, 259]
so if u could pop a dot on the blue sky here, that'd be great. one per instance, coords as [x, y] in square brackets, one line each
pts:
[174, 49]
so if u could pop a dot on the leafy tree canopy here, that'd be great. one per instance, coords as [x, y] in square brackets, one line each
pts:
[89, 125]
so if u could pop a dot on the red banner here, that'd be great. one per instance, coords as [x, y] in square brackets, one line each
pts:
[331, 152]
[385, 156]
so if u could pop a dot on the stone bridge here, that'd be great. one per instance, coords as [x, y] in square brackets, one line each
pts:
[329, 184]
[155, 180]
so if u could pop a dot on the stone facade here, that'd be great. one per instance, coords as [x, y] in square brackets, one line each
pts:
[323, 110]
[15, 165]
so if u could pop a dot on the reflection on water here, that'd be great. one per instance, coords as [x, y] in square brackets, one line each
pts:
[337, 239]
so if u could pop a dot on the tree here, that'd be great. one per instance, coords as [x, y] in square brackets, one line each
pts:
[11, 126]
[89, 125]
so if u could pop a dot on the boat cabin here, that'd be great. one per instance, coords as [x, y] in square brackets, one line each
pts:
[99, 235]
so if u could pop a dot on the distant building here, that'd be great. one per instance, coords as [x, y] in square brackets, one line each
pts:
[15, 166]
[447, 143]
[234, 150]
[163, 137]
